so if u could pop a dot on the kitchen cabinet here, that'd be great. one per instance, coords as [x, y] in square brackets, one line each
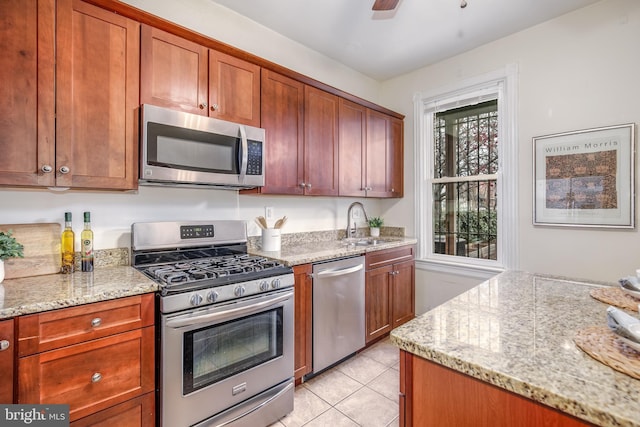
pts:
[320, 142]
[94, 357]
[389, 290]
[84, 134]
[371, 152]
[301, 124]
[7, 360]
[430, 396]
[180, 74]
[282, 104]
[303, 289]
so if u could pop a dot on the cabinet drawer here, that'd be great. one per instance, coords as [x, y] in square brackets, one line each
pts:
[54, 329]
[389, 256]
[138, 412]
[91, 376]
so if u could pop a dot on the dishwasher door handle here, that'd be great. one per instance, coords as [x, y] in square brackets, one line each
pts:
[338, 272]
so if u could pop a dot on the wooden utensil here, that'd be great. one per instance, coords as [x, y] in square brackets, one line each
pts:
[262, 221]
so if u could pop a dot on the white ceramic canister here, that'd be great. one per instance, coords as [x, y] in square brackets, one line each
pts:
[271, 239]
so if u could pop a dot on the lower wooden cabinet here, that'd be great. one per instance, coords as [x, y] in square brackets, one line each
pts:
[433, 395]
[7, 360]
[101, 357]
[389, 290]
[303, 289]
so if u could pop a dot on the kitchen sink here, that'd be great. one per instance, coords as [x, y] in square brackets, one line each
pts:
[368, 241]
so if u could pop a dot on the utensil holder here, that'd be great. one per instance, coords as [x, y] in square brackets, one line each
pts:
[271, 239]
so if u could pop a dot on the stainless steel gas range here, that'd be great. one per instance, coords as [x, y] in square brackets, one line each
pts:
[226, 324]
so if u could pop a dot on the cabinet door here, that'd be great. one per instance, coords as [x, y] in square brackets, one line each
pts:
[377, 157]
[234, 89]
[96, 97]
[90, 376]
[282, 105]
[396, 158]
[320, 142]
[352, 152]
[173, 72]
[378, 302]
[303, 318]
[27, 112]
[403, 293]
[7, 357]
[138, 412]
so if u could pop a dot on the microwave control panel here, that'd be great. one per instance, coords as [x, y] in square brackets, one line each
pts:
[254, 158]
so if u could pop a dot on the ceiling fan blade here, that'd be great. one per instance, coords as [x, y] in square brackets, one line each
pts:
[385, 4]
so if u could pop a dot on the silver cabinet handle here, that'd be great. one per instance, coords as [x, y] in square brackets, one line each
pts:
[308, 185]
[96, 377]
[64, 169]
[96, 322]
[214, 107]
[46, 168]
[302, 184]
[203, 105]
[4, 344]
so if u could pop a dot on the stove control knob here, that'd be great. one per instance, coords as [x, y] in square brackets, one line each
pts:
[196, 299]
[264, 286]
[275, 283]
[239, 291]
[212, 296]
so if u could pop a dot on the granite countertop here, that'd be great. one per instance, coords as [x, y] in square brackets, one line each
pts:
[42, 293]
[516, 331]
[309, 251]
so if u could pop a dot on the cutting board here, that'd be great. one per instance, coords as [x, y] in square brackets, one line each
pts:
[41, 250]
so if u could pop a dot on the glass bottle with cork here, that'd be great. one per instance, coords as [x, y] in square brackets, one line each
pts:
[67, 246]
[86, 239]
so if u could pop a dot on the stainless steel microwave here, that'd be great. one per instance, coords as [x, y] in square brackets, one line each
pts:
[179, 148]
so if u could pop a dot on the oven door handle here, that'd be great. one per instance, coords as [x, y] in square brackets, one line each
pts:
[226, 314]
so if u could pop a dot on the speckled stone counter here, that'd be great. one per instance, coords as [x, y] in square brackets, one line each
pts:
[516, 331]
[42, 293]
[302, 251]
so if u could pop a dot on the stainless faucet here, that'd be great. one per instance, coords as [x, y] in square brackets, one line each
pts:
[351, 232]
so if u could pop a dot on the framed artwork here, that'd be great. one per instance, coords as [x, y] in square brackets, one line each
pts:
[585, 178]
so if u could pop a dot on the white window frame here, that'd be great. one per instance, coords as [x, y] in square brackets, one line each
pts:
[502, 85]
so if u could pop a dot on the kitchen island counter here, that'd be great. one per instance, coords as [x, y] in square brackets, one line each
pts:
[49, 292]
[515, 331]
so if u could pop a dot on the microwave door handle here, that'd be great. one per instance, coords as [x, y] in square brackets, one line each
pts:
[244, 155]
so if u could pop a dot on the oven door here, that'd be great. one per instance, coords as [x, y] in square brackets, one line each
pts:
[215, 358]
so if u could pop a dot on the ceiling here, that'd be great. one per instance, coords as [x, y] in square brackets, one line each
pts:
[387, 44]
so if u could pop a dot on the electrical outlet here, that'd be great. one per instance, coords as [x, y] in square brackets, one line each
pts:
[268, 212]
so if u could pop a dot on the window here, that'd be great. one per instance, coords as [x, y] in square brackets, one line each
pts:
[466, 181]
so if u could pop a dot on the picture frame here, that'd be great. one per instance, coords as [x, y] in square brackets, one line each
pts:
[585, 178]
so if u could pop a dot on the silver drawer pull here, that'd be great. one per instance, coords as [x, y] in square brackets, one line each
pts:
[4, 344]
[96, 377]
[96, 322]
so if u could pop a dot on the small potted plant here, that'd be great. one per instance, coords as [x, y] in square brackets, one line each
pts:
[9, 248]
[374, 226]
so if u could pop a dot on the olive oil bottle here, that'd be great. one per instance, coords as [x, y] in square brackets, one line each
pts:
[86, 239]
[67, 246]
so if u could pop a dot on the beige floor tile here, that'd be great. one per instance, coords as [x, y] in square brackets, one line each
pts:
[394, 423]
[333, 386]
[332, 418]
[361, 368]
[306, 406]
[387, 384]
[368, 408]
[383, 352]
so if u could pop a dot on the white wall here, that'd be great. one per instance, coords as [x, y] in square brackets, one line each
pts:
[576, 72]
[114, 212]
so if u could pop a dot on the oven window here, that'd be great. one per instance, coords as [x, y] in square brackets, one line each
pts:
[220, 351]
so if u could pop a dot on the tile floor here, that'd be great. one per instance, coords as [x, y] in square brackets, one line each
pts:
[361, 391]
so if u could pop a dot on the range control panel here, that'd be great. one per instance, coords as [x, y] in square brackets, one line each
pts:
[196, 231]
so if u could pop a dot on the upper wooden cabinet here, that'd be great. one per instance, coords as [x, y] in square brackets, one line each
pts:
[27, 115]
[180, 74]
[282, 104]
[371, 152]
[84, 136]
[320, 142]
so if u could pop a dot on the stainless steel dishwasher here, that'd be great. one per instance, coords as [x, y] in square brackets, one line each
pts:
[338, 311]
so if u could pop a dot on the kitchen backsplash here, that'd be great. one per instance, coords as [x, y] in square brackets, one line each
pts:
[323, 236]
